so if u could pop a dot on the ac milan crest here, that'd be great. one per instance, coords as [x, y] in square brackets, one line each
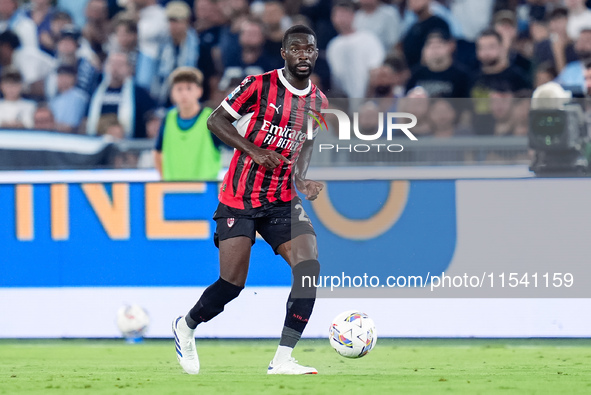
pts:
[230, 222]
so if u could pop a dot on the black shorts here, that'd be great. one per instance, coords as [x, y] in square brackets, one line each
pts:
[277, 223]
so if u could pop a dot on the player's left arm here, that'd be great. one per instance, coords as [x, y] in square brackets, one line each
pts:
[308, 187]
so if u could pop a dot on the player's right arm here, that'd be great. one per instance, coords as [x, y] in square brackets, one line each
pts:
[220, 123]
[237, 104]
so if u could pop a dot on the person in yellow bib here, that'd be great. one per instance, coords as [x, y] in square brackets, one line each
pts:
[185, 149]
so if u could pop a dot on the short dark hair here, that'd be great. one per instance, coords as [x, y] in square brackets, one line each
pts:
[129, 24]
[61, 16]
[559, 12]
[8, 37]
[587, 63]
[297, 29]
[11, 74]
[396, 63]
[490, 33]
[349, 4]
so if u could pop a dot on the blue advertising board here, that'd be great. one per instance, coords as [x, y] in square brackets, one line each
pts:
[160, 234]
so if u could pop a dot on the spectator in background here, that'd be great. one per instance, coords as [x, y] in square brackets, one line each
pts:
[505, 23]
[75, 8]
[496, 74]
[417, 102]
[70, 103]
[229, 42]
[275, 23]
[558, 49]
[110, 128]
[351, 54]
[439, 76]
[97, 28]
[15, 112]
[43, 118]
[41, 12]
[125, 39]
[185, 149]
[58, 21]
[153, 121]
[180, 49]
[501, 105]
[118, 94]
[72, 50]
[388, 81]
[443, 118]
[152, 32]
[381, 19]
[572, 76]
[578, 17]
[545, 72]
[417, 34]
[19, 23]
[210, 25]
[33, 64]
[253, 59]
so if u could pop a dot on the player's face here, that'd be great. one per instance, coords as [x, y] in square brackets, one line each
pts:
[300, 55]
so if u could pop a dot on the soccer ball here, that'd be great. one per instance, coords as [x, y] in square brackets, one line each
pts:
[132, 321]
[352, 334]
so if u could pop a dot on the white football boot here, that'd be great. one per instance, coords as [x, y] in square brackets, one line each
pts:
[290, 366]
[186, 352]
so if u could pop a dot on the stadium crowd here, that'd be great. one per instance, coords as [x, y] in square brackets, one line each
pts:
[100, 67]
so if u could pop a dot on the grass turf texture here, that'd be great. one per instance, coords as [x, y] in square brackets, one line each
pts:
[426, 366]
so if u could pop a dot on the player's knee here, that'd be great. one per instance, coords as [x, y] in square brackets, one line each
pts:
[310, 267]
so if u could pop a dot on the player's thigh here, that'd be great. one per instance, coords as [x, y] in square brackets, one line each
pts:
[234, 237]
[285, 223]
[300, 248]
[235, 259]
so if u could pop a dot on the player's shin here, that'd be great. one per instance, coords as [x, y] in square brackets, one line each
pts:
[299, 307]
[212, 302]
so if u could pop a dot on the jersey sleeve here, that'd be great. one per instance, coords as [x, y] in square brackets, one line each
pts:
[242, 99]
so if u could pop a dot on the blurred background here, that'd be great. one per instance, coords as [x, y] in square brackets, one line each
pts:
[93, 73]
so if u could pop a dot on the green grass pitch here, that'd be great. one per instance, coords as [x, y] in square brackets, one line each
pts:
[403, 366]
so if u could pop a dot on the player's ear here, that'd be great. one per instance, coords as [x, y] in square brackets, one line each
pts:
[283, 53]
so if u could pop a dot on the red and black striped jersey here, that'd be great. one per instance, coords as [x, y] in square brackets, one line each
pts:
[272, 114]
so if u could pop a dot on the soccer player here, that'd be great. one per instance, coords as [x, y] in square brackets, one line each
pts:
[257, 195]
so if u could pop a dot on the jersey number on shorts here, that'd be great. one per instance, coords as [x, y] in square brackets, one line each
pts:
[303, 217]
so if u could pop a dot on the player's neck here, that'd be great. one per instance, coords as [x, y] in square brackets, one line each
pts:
[189, 111]
[296, 83]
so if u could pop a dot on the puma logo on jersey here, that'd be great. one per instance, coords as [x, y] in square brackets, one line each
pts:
[275, 107]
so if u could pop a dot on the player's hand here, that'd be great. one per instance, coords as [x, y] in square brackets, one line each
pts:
[310, 188]
[269, 159]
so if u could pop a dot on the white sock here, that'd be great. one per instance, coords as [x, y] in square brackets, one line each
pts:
[283, 354]
[184, 328]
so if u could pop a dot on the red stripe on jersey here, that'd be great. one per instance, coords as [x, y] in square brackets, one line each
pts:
[277, 171]
[260, 137]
